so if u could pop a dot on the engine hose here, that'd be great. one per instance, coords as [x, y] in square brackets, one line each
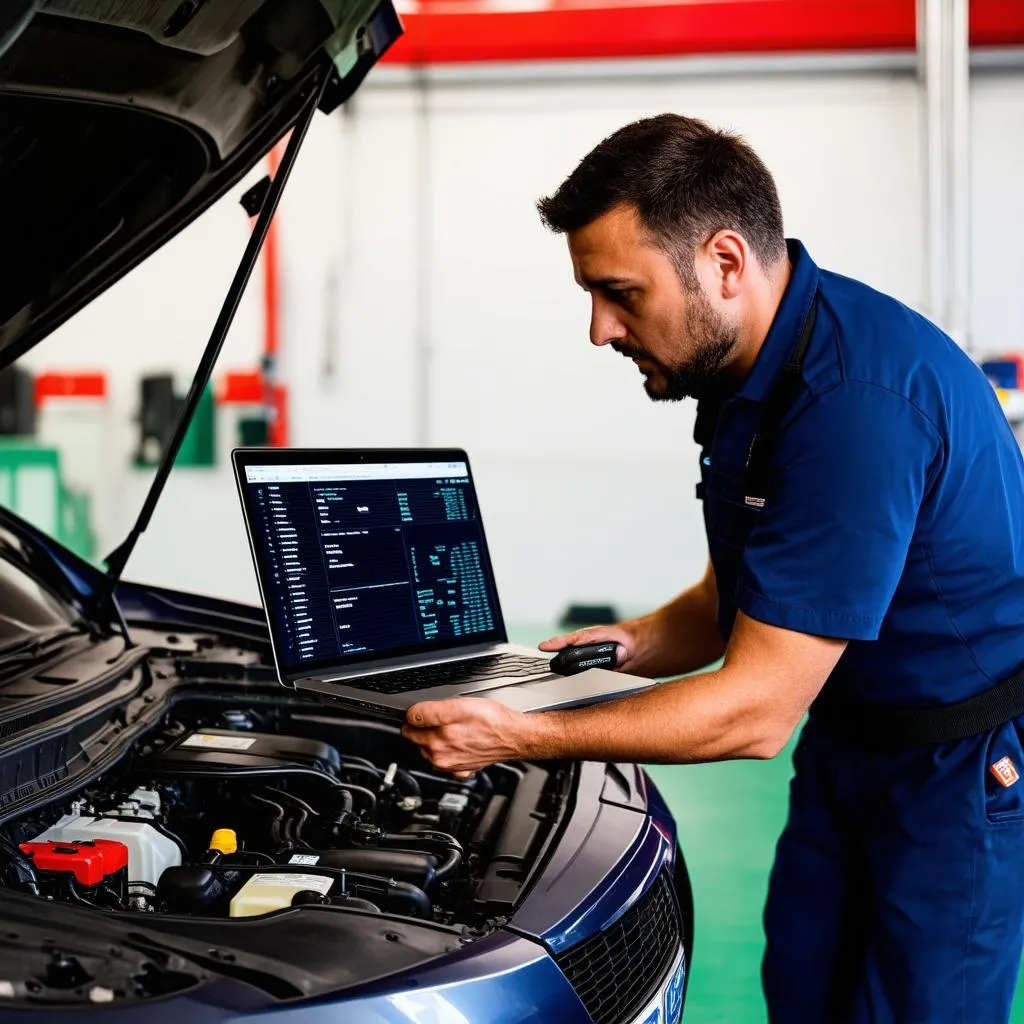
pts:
[293, 799]
[361, 769]
[410, 786]
[354, 759]
[412, 894]
[449, 865]
[76, 897]
[369, 795]
[346, 808]
[294, 829]
[219, 773]
[276, 821]
[432, 840]
[24, 869]
[482, 783]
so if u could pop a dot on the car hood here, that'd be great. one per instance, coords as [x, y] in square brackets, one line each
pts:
[122, 120]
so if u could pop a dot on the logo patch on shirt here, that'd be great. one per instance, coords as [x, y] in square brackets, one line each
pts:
[754, 502]
[1005, 772]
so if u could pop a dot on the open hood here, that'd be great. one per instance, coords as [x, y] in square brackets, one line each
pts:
[122, 120]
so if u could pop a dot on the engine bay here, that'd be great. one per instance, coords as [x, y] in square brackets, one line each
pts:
[232, 810]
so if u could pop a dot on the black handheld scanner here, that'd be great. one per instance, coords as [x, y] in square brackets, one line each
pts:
[570, 660]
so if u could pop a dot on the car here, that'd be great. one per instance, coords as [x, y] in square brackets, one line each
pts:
[181, 836]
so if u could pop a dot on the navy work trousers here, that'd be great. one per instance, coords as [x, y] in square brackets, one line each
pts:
[897, 894]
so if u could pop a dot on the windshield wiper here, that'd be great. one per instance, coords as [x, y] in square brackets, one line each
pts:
[117, 559]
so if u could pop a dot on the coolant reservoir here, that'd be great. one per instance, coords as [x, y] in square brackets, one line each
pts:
[268, 891]
[150, 852]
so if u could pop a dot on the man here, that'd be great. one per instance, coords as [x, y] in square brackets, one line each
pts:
[864, 505]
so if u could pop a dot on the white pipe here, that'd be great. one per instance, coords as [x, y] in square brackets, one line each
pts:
[960, 175]
[930, 50]
[424, 245]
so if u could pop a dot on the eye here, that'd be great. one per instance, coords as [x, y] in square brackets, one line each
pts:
[622, 296]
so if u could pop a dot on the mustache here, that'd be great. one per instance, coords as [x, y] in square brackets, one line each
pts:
[628, 351]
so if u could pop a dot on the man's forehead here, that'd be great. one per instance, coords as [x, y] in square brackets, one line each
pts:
[614, 246]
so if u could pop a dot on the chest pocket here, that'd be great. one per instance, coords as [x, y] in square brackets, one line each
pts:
[728, 518]
[728, 521]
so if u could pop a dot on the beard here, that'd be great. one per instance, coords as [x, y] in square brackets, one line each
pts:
[713, 342]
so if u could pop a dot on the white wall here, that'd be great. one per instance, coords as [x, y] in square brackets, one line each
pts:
[997, 213]
[587, 487]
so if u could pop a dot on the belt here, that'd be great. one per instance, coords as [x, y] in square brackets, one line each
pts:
[880, 726]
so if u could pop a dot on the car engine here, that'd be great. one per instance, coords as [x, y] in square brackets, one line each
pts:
[232, 812]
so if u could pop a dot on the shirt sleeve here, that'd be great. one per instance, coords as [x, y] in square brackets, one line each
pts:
[828, 549]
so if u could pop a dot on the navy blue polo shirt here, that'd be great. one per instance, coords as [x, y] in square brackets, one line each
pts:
[895, 516]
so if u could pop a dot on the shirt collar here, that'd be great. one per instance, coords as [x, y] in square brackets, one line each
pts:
[786, 327]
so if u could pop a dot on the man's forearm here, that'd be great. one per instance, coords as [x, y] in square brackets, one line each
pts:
[681, 636]
[710, 717]
[747, 708]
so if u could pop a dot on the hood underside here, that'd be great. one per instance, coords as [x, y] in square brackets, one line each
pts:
[122, 120]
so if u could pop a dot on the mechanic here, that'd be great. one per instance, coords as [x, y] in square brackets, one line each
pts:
[863, 499]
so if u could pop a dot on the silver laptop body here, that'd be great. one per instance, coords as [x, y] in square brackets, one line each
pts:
[378, 586]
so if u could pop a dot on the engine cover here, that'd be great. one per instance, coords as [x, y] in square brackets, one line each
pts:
[224, 748]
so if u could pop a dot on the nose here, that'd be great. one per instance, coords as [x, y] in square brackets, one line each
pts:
[605, 326]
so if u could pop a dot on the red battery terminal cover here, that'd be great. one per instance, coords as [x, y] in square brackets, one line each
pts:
[91, 861]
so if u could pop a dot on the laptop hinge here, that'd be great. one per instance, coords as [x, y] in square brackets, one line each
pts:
[370, 668]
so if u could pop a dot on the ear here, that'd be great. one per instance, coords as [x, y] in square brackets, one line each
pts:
[730, 258]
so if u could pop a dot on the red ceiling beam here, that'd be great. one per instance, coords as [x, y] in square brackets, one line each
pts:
[467, 31]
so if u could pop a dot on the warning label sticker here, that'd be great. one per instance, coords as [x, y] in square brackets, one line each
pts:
[211, 742]
[318, 883]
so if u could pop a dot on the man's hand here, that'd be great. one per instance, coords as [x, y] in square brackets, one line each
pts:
[465, 734]
[626, 635]
[681, 636]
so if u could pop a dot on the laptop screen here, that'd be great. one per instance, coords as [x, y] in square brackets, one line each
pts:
[366, 560]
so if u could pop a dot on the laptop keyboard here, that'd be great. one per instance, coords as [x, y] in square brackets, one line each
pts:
[491, 666]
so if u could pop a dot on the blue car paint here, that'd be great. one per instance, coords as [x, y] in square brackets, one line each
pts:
[617, 838]
[622, 859]
[502, 979]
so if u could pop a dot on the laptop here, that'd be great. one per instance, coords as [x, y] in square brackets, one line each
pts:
[378, 587]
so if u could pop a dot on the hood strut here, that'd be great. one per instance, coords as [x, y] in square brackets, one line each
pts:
[117, 559]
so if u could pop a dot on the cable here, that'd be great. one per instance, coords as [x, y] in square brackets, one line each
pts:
[350, 759]
[297, 800]
[375, 773]
[24, 869]
[275, 823]
[265, 857]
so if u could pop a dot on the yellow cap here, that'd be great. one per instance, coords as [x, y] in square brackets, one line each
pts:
[224, 840]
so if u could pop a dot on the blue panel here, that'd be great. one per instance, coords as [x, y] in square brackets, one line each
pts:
[503, 979]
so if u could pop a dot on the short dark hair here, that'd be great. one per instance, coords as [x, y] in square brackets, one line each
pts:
[685, 179]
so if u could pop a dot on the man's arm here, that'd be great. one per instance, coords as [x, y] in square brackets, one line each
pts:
[681, 636]
[746, 709]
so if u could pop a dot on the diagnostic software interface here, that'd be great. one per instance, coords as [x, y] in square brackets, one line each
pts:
[362, 560]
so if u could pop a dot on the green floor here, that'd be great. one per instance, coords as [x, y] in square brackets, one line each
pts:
[729, 816]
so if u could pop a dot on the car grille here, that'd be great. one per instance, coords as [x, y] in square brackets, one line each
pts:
[616, 972]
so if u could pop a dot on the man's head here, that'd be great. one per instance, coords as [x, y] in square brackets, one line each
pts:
[675, 229]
